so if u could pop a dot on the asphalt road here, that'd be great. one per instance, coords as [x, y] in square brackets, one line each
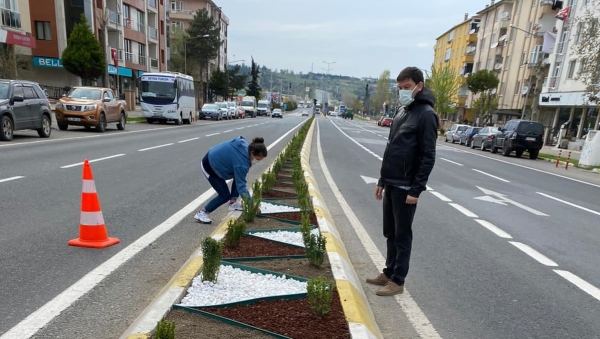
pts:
[143, 176]
[503, 247]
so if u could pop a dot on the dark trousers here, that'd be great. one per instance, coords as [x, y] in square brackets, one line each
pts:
[397, 229]
[220, 186]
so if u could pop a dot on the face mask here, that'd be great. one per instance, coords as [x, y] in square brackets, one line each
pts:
[405, 96]
[254, 162]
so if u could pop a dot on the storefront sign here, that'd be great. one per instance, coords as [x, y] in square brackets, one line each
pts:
[14, 38]
[47, 62]
[124, 72]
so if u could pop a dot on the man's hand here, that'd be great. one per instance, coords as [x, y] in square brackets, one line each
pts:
[411, 200]
[378, 193]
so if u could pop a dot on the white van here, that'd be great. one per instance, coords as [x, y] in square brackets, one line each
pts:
[249, 105]
[264, 108]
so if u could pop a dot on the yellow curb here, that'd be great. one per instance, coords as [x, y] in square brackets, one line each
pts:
[314, 193]
[188, 274]
[335, 245]
[356, 308]
[320, 212]
[139, 336]
[222, 228]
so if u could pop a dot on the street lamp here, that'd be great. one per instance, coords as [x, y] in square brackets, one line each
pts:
[529, 78]
[185, 49]
[227, 74]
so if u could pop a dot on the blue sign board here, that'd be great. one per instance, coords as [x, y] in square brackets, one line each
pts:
[284, 106]
[124, 72]
[47, 62]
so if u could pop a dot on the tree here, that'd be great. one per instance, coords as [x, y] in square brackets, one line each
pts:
[178, 52]
[356, 105]
[483, 82]
[382, 94]
[83, 56]
[8, 62]
[218, 83]
[203, 40]
[586, 47]
[445, 84]
[491, 103]
[237, 79]
[253, 88]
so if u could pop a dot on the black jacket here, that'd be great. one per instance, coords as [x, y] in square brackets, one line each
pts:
[410, 152]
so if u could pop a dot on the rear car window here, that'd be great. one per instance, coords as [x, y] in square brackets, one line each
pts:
[530, 126]
[462, 128]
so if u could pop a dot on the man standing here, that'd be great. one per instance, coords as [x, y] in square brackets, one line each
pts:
[407, 162]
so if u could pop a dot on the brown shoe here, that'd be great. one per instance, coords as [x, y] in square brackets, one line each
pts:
[390, 289]
[380, 280]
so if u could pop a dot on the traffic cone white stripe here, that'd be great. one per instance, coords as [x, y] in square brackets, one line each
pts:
[88, 186]
[91, 219]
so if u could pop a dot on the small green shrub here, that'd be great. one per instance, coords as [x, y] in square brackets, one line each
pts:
[235, 232]
[211, 253]
[305, 228]
[316, 250]
[268, 182]
[320, 294]
[165, 330]
[250, 206]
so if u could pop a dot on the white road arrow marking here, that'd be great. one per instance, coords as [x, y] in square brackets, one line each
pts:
[490, 199]
[369, 180]
[502, 198]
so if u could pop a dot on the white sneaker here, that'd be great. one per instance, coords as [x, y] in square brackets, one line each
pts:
[235, 206]
[202, 217]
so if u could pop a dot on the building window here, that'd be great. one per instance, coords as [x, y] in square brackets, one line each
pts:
[517, 88]
[523, 58]
[128, 54]
[162, 27]
[571, 70]
[42, 30]
[529, 26]
[162, 56]
[448, 53]
[176, 6]
[482, 43]
[142, 54]
[502, 88]
[177, 24]
[99, 4]
[488, 64]
[450, 36]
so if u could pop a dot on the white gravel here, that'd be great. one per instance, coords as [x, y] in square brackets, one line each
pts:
[234, 285]
[266, 208]
[288, 237]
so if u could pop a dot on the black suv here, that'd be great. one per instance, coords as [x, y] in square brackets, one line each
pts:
[518, 136]
[23, 105]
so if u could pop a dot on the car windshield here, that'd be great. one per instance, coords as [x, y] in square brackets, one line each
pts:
[231, 104]
[159, 92]
[277, 110]
[209, 107]
[85, 93]
[247, 103]
[4, 90]
[493, 130]
[262, 104]
[462, 128]
[533, 127]
[222, 104]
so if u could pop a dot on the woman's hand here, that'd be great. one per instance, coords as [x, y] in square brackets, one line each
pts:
[258, 211]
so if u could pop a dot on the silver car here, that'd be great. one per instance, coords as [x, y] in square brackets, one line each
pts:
[224, 108]
[231, 110]
[455, 132]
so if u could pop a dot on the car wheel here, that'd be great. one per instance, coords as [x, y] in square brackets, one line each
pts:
[453, 141]
[6, 134]
[101, 127]
[473, 144]
[519, 153]
[482, 145]
[494, 149]
[506, 151]
[63, 127]
[46, 129]
[445, 138]
[460, 142]
[533, 154]
[122, 122]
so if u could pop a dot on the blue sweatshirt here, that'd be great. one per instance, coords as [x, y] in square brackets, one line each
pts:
[231, 160]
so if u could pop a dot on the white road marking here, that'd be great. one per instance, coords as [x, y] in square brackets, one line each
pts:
[94, 160]
[527, 167]
[241, 128]
[441, 196]
[356, 142]
[569, 203]
[186, 140]
[45, 314]
[582, 284]
[210, 135]
[417, 318]
[429, 188]
[503, 198]
[494, 229]
[491, 176]
[154, 147]
[227, 131]
[452, 162]
[11, 179]
[542, 259]
[463, 210]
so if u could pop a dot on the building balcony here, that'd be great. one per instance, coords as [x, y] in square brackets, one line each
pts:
[152, 6]
[153, 63]
[11, 19]
[152, 33]
[551, 84]
[472, 37]
[182, 15]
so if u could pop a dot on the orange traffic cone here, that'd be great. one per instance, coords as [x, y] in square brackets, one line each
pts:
[92, 230]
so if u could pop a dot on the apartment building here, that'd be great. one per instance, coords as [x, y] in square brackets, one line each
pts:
[510, 41]
[183, 11]
[456, 49]
[563, 96]
[15, 32]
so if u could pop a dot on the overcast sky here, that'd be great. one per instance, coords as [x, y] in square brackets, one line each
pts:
[362, 37]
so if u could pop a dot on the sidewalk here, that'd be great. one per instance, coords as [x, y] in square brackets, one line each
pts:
[554, 152]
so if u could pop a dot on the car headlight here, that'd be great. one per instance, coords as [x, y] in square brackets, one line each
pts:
[90, 107]
[59, 105]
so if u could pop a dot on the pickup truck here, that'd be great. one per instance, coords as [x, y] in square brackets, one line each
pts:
[90, 107]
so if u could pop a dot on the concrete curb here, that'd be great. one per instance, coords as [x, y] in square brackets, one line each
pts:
[359, 315]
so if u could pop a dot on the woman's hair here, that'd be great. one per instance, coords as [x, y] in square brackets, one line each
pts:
[257, 147]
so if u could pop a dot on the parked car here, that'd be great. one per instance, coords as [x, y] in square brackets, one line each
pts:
[484, 138]
[241, 112]
[224, 109]
[90, 107]
[386, 122]
[304, 113]
[455, 132]
[211, 111]
[23, 105]
[519, 136]
[467, 136]
[232, 110]
[277, 113]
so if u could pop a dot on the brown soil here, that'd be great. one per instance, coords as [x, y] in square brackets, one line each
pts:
[267, 223]
[292, 318]
[295, 216]
[296, 267]
[293, 202]
[284, 176]
[284, 184]
[257, 247]
[286, 189]
[279, 194]
[190, 325]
